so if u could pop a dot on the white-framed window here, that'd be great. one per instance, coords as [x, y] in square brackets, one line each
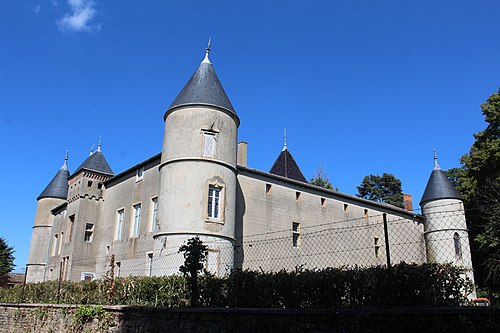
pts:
[376, 245]
[87, 276]
[89, 232]
[149, 264]
[119, 224]
[154, 212]
[139, 174]
[134, 232]
[296, 240]
[209, 144]
[214, 202]
[60, 244]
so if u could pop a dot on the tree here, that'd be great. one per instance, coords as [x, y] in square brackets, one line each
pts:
[478, 182]
[6, 259]
[385, 188]
[321, 180]
[195, 254]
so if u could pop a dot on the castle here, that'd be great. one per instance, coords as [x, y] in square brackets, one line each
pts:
[134, 222]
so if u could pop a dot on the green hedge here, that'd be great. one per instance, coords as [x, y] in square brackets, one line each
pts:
[404, 285]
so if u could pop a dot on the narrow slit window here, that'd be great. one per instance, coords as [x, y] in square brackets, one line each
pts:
[89, 184]
[154, 211]
[323, 203]
[139, 175]
[458, 245]
[376, 244]
[268, 188]
[137, 221]
[365, 213]
[297, 196]
[149, 265]
[346, 208]
[119, 224]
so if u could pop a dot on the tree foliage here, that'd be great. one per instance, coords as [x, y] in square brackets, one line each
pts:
[321, 180]
[6, 259]
[479, 184]
[385, 188]
[195, 254]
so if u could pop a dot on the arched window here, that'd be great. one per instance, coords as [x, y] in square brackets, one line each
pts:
[458, 246]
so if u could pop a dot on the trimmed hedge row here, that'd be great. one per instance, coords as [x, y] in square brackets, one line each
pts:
[404, 285]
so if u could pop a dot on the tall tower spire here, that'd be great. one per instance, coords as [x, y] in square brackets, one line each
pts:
[99, 144]
[436, 165]
[65, 164]
[284, 140]
[207, 51]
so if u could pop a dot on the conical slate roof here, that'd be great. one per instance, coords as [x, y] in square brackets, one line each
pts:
[286, 166]
[203, 88]
[439, 187]
[58, 186]
[96, 162]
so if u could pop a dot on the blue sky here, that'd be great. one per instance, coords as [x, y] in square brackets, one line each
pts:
[362, 87]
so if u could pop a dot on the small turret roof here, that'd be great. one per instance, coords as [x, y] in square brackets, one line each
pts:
[286, 166]
[58, 186]
[203, 88]
[96, 162]
[439, 187]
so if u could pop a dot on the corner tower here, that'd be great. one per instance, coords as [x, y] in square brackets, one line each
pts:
[445, 228]
[52, 196]
[198, 173]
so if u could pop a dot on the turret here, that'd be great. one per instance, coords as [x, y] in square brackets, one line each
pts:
[52, 196]
[446, 234]
[198, 172]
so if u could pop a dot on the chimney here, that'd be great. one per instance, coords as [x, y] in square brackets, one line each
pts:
[408, 202]
[242, 153]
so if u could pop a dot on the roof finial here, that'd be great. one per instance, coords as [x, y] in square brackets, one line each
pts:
[207, 51]
[65, 164]
[92, 149]
[284, 139]
[436, 165]
[99, 144]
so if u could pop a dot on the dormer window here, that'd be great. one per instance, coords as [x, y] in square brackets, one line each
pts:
[139, 174]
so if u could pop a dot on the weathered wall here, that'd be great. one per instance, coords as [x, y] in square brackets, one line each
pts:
[61, 318]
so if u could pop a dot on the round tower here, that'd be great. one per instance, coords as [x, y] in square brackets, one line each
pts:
[52, 196]
[198, 174]
[445, 228]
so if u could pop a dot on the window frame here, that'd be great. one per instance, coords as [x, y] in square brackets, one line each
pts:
[135, 226]
[118, 234]
[88, 231]
[214, 204]
[212, 135]
[139, 174]
[296, 235]
[153, 214]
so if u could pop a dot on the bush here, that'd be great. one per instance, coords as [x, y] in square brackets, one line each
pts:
[405, 285]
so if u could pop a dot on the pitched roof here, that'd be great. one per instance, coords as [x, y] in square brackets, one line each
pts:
[439, 187]
[286, 166]
[58, 186]
[203, 88]
[96, 162]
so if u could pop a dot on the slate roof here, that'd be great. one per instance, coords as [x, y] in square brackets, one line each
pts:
[203, 88]
[439, 187]
[96, 162]
[58, 186]
[286, 166]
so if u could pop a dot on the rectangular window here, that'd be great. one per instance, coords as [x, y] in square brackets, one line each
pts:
[376, 244]
[154, 211]
[149, 264]
[60, 244]
[87, 276]
[137, 221]
[118, 268]
[214, 202]
[209, 140]
[139, 174]
[54, 245]
[119, 224]
[64, 268]
[89, 232]
[296, 241]
[69, 233]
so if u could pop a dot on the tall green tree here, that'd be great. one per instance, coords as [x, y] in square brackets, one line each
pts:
[6, 259]
[478, 180]
[195, 254]
[321, 179]
[385, 188]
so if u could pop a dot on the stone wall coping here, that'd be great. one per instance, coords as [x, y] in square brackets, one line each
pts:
[276, 311]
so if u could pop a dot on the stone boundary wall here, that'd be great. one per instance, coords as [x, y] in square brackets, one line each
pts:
[44, 318]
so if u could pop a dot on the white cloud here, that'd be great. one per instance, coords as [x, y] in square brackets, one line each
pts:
[37, 9]
[80, 17]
